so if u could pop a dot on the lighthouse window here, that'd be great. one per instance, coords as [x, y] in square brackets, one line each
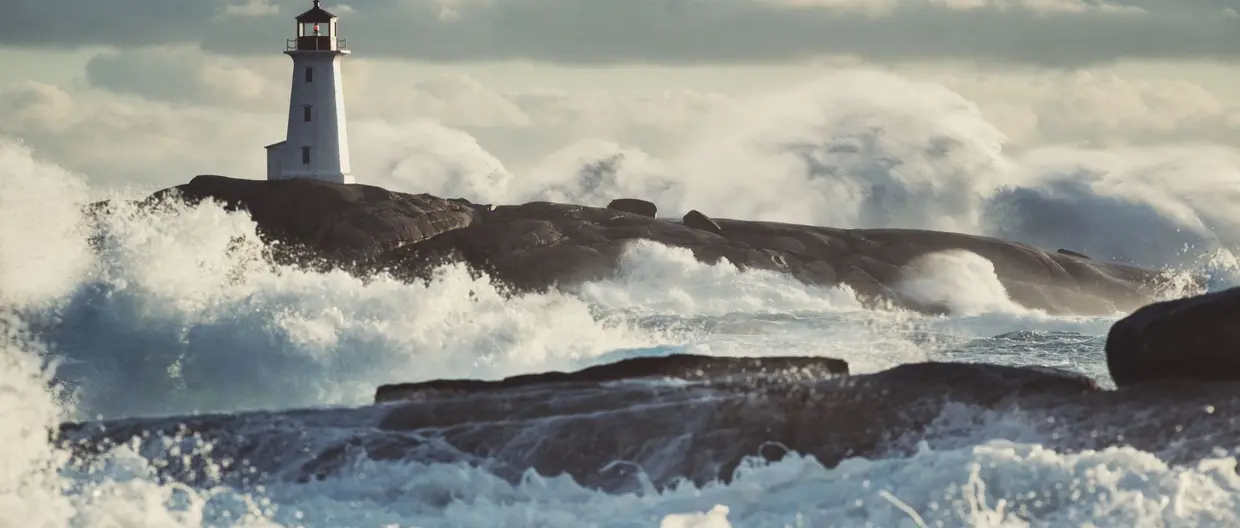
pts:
[309, 74]
[306, 113]
[305, 155]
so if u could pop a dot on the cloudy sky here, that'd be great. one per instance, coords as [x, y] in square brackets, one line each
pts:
[148, 93]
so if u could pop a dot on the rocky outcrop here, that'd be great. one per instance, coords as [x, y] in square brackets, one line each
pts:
[1195, 338]
[700, 429]
[722, 418]
[635, 206]
[340, 222]
[539, 245]
[580, 423]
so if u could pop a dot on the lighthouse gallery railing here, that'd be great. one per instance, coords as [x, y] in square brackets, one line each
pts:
[312, 43]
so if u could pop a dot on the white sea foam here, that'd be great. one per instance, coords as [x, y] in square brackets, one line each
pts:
[961, 281]
[995, 483]
[658, 279]
[183, 302]
[29, 485]
[42, 238]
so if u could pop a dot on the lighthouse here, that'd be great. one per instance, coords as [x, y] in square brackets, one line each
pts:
[316, 145]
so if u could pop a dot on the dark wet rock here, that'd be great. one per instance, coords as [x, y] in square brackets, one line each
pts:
[635, 206]
[701, 430]
[1194, 338]
[539, 245]
[1071, 253]
[341, 222]
[697, 220]
[686, 367]
[579, 424]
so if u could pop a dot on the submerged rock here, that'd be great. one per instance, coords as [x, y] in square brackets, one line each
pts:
[538, 245]
[1194, 338]
[685, 367]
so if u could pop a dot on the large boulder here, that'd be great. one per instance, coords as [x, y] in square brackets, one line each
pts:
[1194, 338]
[697, 220]
[635, 206]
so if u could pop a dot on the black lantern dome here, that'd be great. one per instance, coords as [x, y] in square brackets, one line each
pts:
[316, 31]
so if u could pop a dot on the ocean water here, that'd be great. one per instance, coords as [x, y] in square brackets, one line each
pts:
[176, 312]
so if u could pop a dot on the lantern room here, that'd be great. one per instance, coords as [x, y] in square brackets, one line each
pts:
[316, 31]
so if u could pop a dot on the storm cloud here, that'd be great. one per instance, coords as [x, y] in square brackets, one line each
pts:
[1053, 33]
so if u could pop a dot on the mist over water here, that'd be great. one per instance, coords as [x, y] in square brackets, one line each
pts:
[176, 312]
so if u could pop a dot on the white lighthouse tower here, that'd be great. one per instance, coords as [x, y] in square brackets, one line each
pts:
[316, 145]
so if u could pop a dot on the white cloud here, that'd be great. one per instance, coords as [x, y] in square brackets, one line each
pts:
[450, 10]
[885, 7]
[520, 125]
[1044, 6]
[188, 76]
[39, 107]
[457, 99]
[1059, 33]
[251, 8]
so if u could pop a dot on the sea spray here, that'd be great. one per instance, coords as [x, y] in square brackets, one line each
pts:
[868, 149]
[660, 279]
[43, 250]
[29, 484]
[962, 282]
[151, 324]
[183, 301]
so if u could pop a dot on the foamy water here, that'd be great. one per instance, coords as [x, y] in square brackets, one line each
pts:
[191, 309]
[176, 312]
